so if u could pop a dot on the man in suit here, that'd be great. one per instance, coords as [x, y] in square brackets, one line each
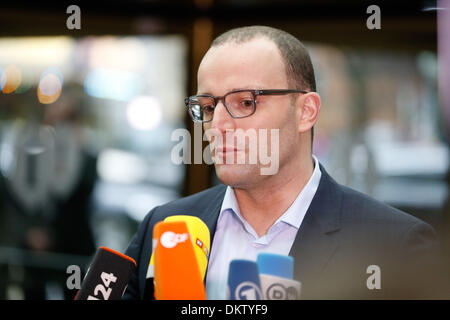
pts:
[345, 244]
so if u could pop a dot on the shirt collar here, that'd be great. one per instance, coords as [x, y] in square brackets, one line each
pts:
[231, 205]
[294, 214]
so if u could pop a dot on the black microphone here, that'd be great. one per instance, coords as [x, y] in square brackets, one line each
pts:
[107, 277]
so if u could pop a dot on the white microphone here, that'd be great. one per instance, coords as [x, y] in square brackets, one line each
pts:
[276, 277]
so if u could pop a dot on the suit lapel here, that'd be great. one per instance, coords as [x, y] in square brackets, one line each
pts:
[316, 241]
[211, 214]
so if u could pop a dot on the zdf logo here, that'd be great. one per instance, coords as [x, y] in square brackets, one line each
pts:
[170, 239]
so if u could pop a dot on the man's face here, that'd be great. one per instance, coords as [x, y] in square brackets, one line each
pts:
[256, 64]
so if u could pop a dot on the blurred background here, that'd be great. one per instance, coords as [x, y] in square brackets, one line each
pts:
[86, 116]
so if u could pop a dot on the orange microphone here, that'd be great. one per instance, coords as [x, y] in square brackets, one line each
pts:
[177, 274]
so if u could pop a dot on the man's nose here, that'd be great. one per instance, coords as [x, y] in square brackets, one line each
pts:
[222, 120]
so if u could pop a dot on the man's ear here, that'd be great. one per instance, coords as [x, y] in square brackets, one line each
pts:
[308, 108]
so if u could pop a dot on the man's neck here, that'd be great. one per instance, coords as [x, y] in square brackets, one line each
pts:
[264, 203]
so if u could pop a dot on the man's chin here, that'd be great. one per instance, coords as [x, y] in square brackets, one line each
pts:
[234, 175]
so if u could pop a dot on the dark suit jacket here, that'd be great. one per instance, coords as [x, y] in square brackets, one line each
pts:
[342, 234]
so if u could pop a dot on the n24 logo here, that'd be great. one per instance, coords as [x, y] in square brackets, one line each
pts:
[104, 289]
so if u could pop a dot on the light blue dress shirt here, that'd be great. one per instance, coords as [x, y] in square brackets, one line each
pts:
[236, 239]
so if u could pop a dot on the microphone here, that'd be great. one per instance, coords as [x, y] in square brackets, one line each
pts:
[107, 277]
[177, 274]
[200, 237]
[243, 281]
[276, 276]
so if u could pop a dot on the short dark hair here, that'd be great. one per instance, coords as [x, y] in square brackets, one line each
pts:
[299, 68]
[298, 65]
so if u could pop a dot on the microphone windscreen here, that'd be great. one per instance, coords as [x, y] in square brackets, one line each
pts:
[200, 237]
[276, 274]
[275, 264]
[243, 281]
[176, 271]
[107, 277]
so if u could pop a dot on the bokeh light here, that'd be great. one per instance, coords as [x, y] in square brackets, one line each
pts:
[50, 86]
[144, 113]
[11, 79]
[113, 84]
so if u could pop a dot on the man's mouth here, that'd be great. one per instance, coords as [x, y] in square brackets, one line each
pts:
[226, 149]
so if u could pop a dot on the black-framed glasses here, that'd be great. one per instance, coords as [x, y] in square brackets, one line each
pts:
[239, 103]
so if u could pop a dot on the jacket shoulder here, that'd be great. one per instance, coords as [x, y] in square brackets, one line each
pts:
[189, 205]
[369, 209]
[376, 222]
